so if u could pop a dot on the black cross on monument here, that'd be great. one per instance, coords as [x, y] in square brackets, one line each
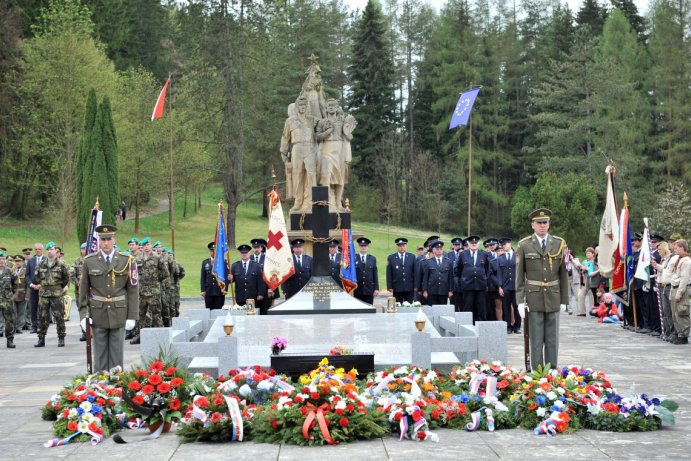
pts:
[320, 222]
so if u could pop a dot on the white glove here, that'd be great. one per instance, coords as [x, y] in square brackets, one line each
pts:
[83, 323]
[522, 309]
[562, 307]
[129, 324]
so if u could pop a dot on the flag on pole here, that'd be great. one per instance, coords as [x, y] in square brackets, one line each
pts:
[348, 274]
[642, 272]
[221, 256]
[609, 230]
[92, 242]
[160, 102]
[623, 269]
[464, 106]
[278, 262]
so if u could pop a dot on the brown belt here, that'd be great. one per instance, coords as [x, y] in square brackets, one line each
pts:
[108, 299]
[538, 283]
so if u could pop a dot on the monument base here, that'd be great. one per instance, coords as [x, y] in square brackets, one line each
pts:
[321, 295]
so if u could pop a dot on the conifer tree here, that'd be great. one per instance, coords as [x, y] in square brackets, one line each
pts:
[110, 151]
[82, 207]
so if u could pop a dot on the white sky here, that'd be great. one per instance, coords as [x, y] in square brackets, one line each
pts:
[574, 5]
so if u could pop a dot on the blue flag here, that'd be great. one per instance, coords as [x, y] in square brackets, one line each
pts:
[220, 269]
[348, 274]
[461, 114]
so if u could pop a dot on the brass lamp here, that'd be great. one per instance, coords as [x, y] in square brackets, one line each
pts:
[228, 325]
[420, 320]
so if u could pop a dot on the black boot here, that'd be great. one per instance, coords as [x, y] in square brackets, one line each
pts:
[83, 336]
[2, 333]
[10, 344]
[135, 340]
[61, 342]
[41, 342]
[129, 334]
[18, 332]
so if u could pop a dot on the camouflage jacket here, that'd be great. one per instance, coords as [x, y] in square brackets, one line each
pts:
[53, 276]
[76, 272]
[178, 273]
[152, 272]
[21, 282]
[8, 286]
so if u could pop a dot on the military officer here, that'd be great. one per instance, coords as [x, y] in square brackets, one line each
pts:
[259, 256]
[133, 245]
[152, 271]
[437, 276]
[400, 272]
[335, 261]
[453, 255]
[542, 287]
[472, 269]
[8, 290]
[247, 276]
[494, 282]
[109, 299]
[419, 266]
[367, 275]
[214, 296]
[75, 278]
[52, 280]
[507, 290]
[303, 269]
[20, 297]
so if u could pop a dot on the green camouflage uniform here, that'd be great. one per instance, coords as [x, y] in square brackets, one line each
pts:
[53, 276]
[178, 274]
[167, 293]
[8, 287]
[75, 278]
[20, 303]
[152, 272]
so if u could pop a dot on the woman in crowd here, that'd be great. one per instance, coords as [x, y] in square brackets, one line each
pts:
[664, 269]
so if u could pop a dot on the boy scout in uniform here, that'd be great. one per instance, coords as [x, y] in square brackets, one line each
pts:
[52, 279]
[542, 288]
[8, 289]
[109, 298]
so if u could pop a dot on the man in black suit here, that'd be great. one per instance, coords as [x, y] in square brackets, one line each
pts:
[437, 276]
[420, 264]
[494, 303]
[367, 275]
[31, 267]
[213, 296]
[335, 261]
[303, 269]
[400, 272]
[507, 289]
[453, 255]
[258, 256]
[472, 268]
[248, 279]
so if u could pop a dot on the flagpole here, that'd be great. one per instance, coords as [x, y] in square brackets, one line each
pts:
[470, 164]
[171, 205]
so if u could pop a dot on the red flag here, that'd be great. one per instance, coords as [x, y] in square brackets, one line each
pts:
[160, 102]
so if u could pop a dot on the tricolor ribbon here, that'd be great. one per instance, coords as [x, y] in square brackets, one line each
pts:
[490, 419]
[136, 423]
[475, 420]
[403, 425]
[320, 420]
[235, 418]
[414, 388]
[95, 439]
[281, 384]
[490, 386]
[197, 412]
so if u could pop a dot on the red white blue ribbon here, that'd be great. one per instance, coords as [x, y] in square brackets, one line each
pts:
[490, 419]
[475, 420]
[235, 418]
[197, 412]
[95, 439]
[490, 385]
[281, 384]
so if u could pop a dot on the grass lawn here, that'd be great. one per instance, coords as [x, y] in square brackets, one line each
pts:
[193, 233]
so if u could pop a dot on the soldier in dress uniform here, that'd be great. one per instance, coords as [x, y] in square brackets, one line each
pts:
[400, 272]
[367, 275]
[437, 276]
[166, 284]
[248, 278]
[52, 279]
[335, 261]
[109, 297]
[213, 295]
[542, 287]
[258, 256]
[302, 264]
[20, 298]
[152, 272]
[419, 267]
[472, 269]
[507, 290]
[76, 277]
[8, 290]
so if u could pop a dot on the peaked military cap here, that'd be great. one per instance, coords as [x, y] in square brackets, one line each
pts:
[436, 244]
[457, 241]
[540, 215]
[657, 238]
[504, 240]
[106, 231]
[431, 239]
[401, 241]
[244, 248]
[297, 242]
[473, 239]
[18, 259]
[334, 243]
[26, 250]
[637, 236]
[363, 241]
[211, 246]
[258, 242]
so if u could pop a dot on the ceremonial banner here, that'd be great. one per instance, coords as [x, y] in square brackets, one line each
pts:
[642, 272]
[221, 256]
[348, 274]
[160, 102]
[609, 230]
[92, 242]
[623, 270]
[278, 262]
[464, 106]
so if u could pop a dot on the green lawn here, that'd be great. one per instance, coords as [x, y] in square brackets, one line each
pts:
[193, 233]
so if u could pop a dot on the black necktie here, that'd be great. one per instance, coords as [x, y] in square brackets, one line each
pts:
[544, 244]
[244, 266]
[107, 260]
[299, 263]
[363, 260]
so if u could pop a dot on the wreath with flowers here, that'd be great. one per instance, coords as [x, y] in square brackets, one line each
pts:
[253, 384]
[396, 380]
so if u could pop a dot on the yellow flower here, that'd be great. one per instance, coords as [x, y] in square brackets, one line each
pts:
[324, 361]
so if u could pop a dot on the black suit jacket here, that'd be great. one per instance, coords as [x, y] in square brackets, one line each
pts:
[400, 277]
[508, 272]
[31, 267]
[300, 277]
[473, 277]
[367, 276]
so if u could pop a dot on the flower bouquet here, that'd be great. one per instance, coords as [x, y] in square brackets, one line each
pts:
[340, 350]
[408, 415]
[414, 304]
[253, 384]
[413, 380]
[278, 345]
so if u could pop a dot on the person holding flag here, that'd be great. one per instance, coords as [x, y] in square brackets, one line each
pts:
[348, 272]
[214, 296]
[278, 260]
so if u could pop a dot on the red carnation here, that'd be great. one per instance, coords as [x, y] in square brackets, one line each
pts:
[141, 373]
[148, 389]
[202, 402]
[163, 388]
[174, 404]
[72, 426]
[304, 410]
[101, 401]
[81, 398]
[155, 379]
[72, 397]
[138, 399]
[215, 417]
[417, 415]
[257, 369]
[502, 384]
[298, 399]
[175, 382]
[272, 372]
[343, 422]
[532, 406]
[134, 386]
[221, 379]
[314, 395]
[338, 411]
[435, 414]
[156, 366]
[305, 390]
[274, 424]
[398, 416]
[171, 371]
[421, 435]
[350, 407]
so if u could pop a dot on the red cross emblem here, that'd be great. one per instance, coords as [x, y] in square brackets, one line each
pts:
[275, 240]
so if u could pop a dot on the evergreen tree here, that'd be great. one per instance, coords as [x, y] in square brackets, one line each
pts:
[372, 99]
[593, 15]
[110, 152]
[83, 208]
[630, 10]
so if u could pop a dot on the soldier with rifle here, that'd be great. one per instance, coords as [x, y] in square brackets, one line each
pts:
[109, 300]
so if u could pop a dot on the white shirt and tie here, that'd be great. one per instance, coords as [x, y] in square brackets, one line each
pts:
[108, 257]
[542, 241]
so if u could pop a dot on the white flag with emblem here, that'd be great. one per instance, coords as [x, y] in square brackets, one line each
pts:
[609, 230]
[278, 263]
[644, 256]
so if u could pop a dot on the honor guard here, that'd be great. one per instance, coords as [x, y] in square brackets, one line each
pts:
[453, 255]
[335, 261]
[247, 276]
[214, 296]
[302, 264]
[258, 256]
[437, 276]
[400, 272]
[367, 275]
[542, 288]
[472, 268]
[507, 290]
[419, 266]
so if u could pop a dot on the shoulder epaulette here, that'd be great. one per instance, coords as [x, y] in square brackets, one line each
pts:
[95, 253]
[525, 239]
[558, 238]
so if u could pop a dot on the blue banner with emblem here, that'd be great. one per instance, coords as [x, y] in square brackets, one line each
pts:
[220, 269]
[348, 274]
[464, 107]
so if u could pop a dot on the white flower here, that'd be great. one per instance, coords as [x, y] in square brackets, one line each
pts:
[561, 390]
[73, 412]
[542, 380]
[594, 409]
[541, 411]
[538, 390]
[527, 379]
[245, 391]
[85, 405]
[559, 404]
[282, 400]
[401, 371]
[83, 426]
[88, 417]
[500, 406]
[341, 404]
[551, 395]
[431, 376]
[489, 400]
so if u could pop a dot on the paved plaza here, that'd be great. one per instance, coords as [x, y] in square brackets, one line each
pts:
[29, 376]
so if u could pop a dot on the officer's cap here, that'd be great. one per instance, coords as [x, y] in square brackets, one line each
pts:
[145, 240]
[401, 241]
[18, 259]
[334, 243]
[363, 241]
[133, 240]
[28, 250]
[431, 239]
[473, 239]
[420, 247]
[540, 215]
[504, 240]
[211, 246]
[258, 242]
[437, 244]
[457, 241]
[657, 238]
[297, 242]
[244, 248]
[637, 236]
[106, 231]
[49, 245]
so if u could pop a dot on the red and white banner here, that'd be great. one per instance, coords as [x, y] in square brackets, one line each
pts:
[160, 102]
[608, 244]
[278, 262]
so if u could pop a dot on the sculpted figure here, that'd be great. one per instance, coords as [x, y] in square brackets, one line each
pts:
[334, 134]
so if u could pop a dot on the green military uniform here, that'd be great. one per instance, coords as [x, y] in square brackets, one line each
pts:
[152, 271]
[542, 282]
[20, 296]
[8, 288]
[166, 288]
[76, 277]
[109, 295]
[178, 274]
[53, 276]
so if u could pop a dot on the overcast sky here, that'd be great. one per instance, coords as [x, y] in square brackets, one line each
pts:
[575, 5]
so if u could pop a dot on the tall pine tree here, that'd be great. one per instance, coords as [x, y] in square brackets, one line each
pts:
[81, 165]
[110, 152]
